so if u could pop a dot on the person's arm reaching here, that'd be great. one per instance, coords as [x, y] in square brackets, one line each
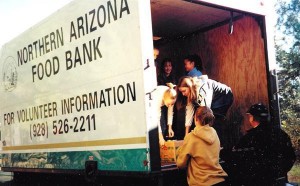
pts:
[189, 116]
[170, 121]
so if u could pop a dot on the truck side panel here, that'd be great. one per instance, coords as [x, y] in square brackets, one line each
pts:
[72, 90]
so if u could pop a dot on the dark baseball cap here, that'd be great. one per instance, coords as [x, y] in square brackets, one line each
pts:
[258, 110]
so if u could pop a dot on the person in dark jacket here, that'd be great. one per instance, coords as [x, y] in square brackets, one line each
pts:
[264, 155]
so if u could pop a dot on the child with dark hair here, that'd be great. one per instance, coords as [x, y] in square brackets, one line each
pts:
[167, 74]
[165, 77]
[200, 151]
[193, 65]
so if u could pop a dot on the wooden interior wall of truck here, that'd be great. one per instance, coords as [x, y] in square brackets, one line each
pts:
[236, 59]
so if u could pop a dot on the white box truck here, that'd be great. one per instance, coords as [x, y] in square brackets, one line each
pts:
[76, 89]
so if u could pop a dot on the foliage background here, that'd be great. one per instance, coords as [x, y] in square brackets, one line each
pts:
[288, 58]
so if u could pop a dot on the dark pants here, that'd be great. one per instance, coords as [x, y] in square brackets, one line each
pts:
[164, 120]
[220, 122]
[179, 123]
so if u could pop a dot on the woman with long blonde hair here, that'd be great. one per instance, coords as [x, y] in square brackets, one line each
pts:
[202, 91]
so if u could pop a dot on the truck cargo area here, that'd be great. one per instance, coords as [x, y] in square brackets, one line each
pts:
[231, 44]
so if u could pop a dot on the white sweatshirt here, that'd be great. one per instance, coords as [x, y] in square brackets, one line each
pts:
[159, 102]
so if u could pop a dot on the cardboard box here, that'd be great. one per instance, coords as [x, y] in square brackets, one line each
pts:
[168, 152]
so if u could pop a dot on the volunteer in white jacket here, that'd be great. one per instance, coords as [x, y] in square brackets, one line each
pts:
[202, 91]
[165, 96]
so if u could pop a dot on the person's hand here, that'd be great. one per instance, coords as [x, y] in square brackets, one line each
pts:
[161, 140]
[171, 132]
